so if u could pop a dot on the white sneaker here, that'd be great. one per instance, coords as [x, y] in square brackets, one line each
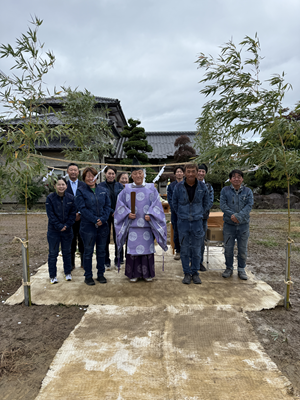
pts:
[53, 280]
[68, 277]
[117, 267]
[148, 279]
[133, 280]
[107, 267]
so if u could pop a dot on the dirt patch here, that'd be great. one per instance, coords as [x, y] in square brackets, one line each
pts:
[277, 329]
[30, 337]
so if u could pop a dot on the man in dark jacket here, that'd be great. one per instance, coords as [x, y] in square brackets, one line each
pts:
[113, 189]
[190, 201]
[73, 184]
[202, 171]
[179, 174]
[236, 202]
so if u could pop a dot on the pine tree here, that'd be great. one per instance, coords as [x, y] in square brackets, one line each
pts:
[184, 151]
[137, 145]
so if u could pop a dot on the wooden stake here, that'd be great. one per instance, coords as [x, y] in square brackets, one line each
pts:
[27, 299]
[288, 254]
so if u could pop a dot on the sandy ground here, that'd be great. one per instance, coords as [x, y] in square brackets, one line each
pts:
[184, 352]
[175, 333]
[28, 348]
[166, 288]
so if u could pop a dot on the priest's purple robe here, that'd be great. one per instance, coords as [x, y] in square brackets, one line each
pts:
[139, 232]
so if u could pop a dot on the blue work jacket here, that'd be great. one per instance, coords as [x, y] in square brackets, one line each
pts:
[92, 206]
[170, 192]
[118, 187]
[236, 203]
[61, 211]
[210, 190]
[190, 211]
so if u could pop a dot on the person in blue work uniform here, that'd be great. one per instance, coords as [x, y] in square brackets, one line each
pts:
[72, 185]
[236, 202]
[93, 203]
[190, 201]
[113, 189]
[61, 212]
[179, 174]
[202, 171]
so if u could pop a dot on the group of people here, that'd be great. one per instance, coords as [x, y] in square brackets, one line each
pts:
[191, 198]
[84, 213]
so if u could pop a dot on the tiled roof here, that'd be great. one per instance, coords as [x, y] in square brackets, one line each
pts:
[53, 120]
[162, 143]
[50, 118]
[57, 144]
[102, 100]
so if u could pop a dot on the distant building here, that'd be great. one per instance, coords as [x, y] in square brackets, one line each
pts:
[161, 142]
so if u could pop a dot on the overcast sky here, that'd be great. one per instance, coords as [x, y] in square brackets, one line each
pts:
[143, 52]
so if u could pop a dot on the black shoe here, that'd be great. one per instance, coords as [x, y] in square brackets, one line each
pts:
[101, 279]
[196, 278]
[89, 281]
[187, 279]
[227, 273]
[242, 275]
[202, 268]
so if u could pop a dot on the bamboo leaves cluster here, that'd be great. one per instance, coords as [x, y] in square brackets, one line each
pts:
[241, 106]
[86, 126]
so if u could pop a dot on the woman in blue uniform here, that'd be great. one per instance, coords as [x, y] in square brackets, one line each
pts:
[61, 211]
[93, 204]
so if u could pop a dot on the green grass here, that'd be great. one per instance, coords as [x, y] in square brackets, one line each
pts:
[295, 235]
[267, 243]
[274, 210]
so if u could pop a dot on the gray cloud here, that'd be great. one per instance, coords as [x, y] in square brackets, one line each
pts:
[144, 52]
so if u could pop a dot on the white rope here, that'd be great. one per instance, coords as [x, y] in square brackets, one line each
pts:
[24, 242]
[49, 174]
[255, 168]
[159, 174]
[100, 172]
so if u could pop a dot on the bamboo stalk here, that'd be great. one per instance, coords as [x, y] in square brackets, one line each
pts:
[27, 249]
[288, 253]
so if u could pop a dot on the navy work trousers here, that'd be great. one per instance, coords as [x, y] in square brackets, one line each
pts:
[190, 234]
[241, 234]
[175, 230]
[54, 239]
[202, 246]
[110, 223]
[92, 236]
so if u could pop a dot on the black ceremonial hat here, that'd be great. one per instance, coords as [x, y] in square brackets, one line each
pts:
[137, 164]
[203, 166]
